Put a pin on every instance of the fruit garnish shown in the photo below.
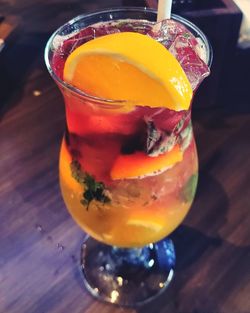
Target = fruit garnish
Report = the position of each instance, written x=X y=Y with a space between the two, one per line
x=131 y=67
x=139 y=164
x=145 y=224
x=93 y=190
x=150 y=225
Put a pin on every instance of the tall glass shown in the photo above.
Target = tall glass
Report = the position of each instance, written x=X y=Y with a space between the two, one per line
x=127 y=214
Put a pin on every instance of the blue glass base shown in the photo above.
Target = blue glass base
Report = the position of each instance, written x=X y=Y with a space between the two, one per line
x=127 y=277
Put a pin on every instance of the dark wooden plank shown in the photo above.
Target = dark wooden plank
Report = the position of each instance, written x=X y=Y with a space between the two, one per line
x=39 y=242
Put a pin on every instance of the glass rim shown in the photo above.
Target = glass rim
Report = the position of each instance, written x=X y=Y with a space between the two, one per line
x=80 y=93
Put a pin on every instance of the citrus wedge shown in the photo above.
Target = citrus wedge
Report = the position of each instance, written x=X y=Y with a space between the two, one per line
x=154 y=226
x=131 y=67
x=140 y=164
x=143 y=225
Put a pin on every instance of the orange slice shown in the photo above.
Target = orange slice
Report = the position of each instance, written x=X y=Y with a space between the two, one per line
x=140 y=164
x=132 y=67
x=150 y=225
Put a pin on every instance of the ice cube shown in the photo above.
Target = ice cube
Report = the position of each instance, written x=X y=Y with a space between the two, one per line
x=142 y=26
x=101 y=29
x=166 y=31
x=187 y=49
x=70 y=43
x=201 y=50
x=184 y=48
x=166 y=119
x=66 y=44
x=160 y=137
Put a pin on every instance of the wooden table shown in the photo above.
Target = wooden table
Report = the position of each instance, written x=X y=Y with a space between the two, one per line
x=39 y=242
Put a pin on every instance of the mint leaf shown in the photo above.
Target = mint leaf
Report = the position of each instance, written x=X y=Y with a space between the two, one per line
x=76 y=172
x=93 y=190
x=186 y=35
x=188 y=191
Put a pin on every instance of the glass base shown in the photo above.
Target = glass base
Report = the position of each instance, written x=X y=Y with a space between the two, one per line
x=127 y=277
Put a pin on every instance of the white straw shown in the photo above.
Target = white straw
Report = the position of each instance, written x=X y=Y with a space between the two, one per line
x=164 y=9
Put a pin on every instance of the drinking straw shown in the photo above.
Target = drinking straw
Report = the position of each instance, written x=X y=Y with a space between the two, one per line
x=164 y=9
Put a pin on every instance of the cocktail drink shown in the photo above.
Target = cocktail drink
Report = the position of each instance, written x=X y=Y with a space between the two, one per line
x=128 y=162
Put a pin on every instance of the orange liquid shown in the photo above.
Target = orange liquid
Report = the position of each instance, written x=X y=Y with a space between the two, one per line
x=141 y=211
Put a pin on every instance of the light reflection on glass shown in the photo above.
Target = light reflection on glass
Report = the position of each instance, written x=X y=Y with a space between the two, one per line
x=114 y=295
x=171 y=274
x=120 y=280
x=151 y=263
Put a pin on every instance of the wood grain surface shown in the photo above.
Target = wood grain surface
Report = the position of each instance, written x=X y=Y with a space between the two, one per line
x=40 y=243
